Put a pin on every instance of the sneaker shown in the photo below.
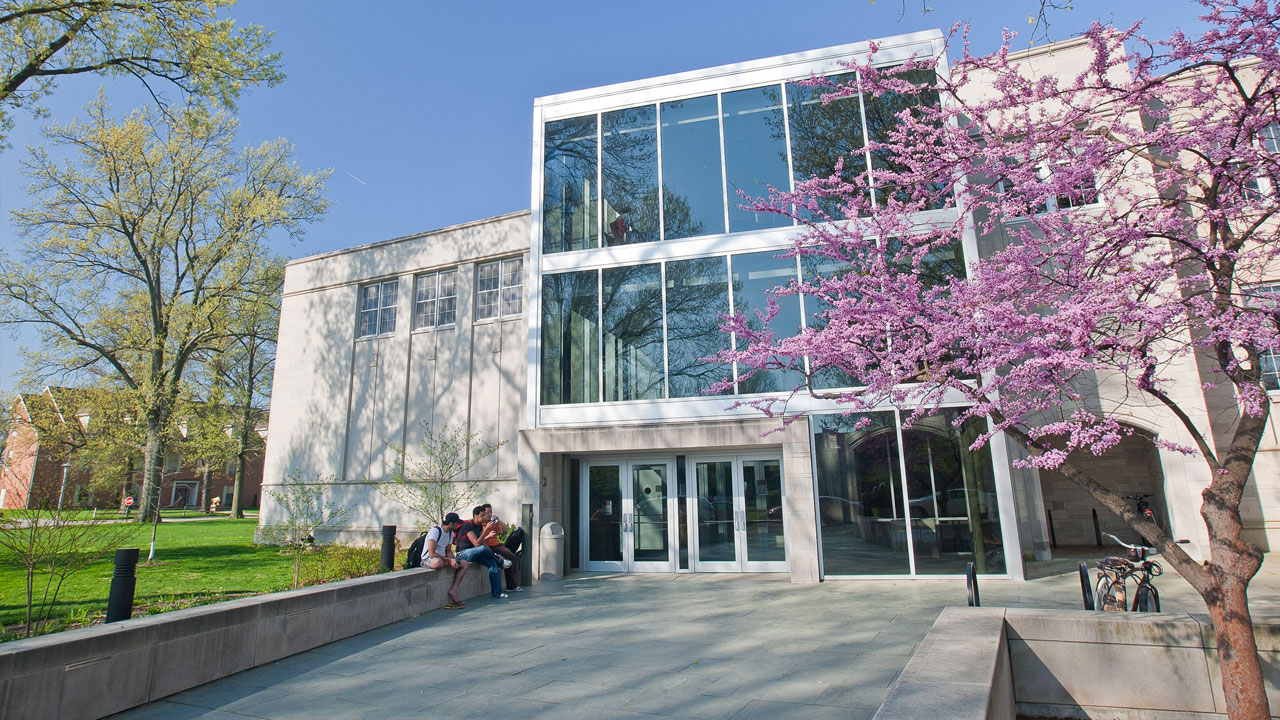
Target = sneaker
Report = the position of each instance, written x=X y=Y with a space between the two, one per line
x=517 y=589
x=505 y=563
x=502 y=596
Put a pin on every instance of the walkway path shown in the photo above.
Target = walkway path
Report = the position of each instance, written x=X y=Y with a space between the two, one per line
x=618 y=646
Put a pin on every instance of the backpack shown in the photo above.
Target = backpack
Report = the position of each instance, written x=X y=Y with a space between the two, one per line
x=414 y=558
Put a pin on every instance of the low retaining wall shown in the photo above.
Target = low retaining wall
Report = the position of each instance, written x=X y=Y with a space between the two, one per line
x=997 y=663
x=96 y=671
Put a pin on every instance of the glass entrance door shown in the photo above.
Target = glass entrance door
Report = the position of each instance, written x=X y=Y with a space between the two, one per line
x=627 y=523
x=737 y=515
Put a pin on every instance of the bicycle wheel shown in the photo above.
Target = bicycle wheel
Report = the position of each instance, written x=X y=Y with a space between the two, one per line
x=1086 y=587
x=1148 y=598
x=1102 y=597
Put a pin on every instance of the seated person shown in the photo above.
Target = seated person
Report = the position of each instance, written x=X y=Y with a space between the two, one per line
x=439 y=554
x=507 y=549
x=472 y=539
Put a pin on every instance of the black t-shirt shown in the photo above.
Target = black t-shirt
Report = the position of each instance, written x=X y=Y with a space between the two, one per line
x=463 y=541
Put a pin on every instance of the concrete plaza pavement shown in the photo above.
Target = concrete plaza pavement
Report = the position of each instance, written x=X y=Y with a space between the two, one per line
x=634 y=646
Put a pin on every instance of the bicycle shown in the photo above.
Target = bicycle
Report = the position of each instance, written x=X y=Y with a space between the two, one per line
x=1114 y=573
x=1143 y=507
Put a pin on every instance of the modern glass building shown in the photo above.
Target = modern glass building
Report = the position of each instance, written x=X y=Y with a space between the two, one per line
x=640 y=245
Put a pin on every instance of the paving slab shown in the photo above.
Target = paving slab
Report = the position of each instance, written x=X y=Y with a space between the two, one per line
x=713 y=647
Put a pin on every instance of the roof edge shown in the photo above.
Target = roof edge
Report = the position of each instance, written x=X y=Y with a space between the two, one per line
x=406 y=238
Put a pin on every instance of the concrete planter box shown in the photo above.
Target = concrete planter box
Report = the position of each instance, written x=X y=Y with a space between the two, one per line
x=96 y=671
x=998 y=664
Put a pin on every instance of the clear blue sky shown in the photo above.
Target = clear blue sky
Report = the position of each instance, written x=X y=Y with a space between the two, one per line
x=424 y=109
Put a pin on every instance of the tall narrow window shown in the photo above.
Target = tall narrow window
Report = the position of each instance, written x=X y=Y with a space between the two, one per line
x=1269 y=294
x=754 y=277
x=823 y=134
x=570 y=338
x=448 y=314
x=629 y=172
x=882 y=117
x=697 y=297
x=755 y=154
x=569 y=194
x=512 y=286
x=631 y=298
x=692 y=181
x=377 y=309
x=487 y=289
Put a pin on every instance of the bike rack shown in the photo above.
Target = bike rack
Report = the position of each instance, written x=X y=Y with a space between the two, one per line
x=1086 y=587
x=971 y=581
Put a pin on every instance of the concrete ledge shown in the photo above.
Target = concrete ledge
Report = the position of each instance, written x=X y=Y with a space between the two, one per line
x=960 y=670
x=97 y=671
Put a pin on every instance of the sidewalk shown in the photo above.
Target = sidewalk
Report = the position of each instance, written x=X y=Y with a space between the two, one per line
x=636 y=646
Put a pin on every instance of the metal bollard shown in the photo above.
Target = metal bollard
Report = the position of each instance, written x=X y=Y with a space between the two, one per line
x=388 y=547
x=1097 y=531
x=123 y=581
x=971 y=580
x=526 y=554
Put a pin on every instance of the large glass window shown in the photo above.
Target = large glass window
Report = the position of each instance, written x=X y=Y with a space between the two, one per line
x=826 y=376
x=754 y=276
x=569 y=198
x=632 y=305
x=692 y=181
x=951 y=494
x=377 y=308
x=1269 y=359
x=883 y=116
x=697 y=298
x=629 y=170
x=860 y=503
x=755 y=153
x=822 y=134
x=570 y=338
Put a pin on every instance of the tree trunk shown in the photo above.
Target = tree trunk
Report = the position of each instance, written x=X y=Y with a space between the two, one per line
x=152 y=467
x=242 y=445
x=204 y=487
x=1242 y=682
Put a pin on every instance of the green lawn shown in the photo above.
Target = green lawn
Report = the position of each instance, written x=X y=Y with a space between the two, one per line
x=86 y=514
x=196 y=562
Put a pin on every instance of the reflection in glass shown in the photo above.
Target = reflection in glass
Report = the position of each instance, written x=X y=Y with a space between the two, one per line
x=632 y=304
x=650 y=500
x=815 y=308
x=692 y=182
x=882 y=118
x=762 y=489
x=569 y=199
x=604 y=526
x=822 y=134
x=754 y=275
x=935 y=269
x=682 y=512
x=755 y=154
x=629 y=174
x=952 y=493
x=697 y=298
x=570 y=341
x=860 y=495
x=716 y=540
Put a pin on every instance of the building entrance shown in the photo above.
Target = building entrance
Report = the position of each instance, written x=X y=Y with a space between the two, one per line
x=731 y=519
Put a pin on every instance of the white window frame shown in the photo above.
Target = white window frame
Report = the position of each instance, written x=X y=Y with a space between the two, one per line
x=382 y=310
x=435 y=298
x=504 y=298
x=1271 y=288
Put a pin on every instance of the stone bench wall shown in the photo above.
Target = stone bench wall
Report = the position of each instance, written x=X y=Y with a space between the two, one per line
x=997 y=664
x=96 y=671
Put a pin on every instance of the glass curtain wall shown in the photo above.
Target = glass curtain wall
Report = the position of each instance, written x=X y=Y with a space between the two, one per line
x=570 y=338
x=697 y=297
x=754 y=275
x=676 y=169
x=948 y=499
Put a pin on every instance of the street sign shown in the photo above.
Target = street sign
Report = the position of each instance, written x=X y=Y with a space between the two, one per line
x=128 y=501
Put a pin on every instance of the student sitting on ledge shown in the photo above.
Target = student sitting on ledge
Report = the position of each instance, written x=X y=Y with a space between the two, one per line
x=472 y=540
x=508 y=549
x=440 y=555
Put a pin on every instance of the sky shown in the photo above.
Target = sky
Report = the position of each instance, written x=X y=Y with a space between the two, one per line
x=424 y=109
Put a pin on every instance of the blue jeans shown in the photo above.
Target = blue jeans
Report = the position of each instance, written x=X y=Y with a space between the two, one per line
x=485 y=556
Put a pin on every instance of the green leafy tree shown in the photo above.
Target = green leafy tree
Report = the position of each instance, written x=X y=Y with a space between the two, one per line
x=180 y=44
x=436 y=479
x=143 y=245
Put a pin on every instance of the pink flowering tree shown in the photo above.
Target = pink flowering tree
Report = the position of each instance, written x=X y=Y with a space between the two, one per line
x=1146 y=192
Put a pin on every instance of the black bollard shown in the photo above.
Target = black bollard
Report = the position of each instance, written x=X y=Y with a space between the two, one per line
x=971 y=580
x=1097 y=531
x=526 y=553
x=123 y=582
x=388 y=547
x=1053 y=536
